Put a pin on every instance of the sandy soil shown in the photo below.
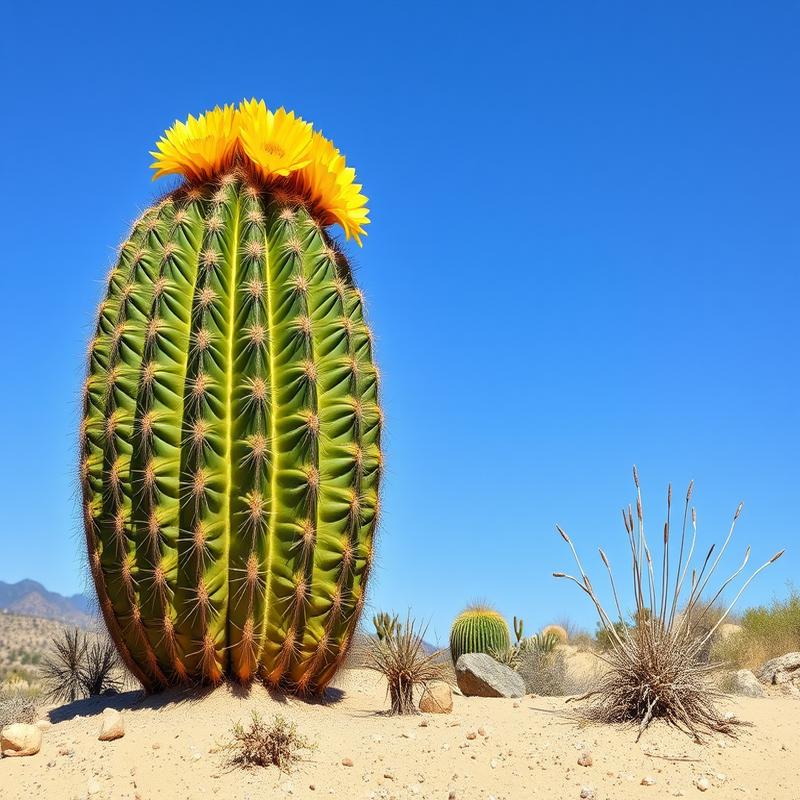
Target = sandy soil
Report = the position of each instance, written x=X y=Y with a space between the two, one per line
x=523 y=749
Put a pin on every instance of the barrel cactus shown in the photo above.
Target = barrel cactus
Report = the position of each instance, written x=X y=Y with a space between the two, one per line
x=230 y=441
x=478 y=629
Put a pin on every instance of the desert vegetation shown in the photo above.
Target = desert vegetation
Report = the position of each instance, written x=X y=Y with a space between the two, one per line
x=80 y=666
x=262 y=744
x=658 y=668
x=761 y=633
x=401 y=658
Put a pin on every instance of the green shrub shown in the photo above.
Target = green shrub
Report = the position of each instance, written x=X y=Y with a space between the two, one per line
x=766 y=632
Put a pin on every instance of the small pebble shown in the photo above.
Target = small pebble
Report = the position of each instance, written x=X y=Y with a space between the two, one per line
x=587 y=793
x=703 y=784
x=472 y=735
x=648 y=780
x=585 y=760
x=347 y=762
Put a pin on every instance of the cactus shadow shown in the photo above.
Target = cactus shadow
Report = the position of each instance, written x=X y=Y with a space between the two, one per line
x=138 y=699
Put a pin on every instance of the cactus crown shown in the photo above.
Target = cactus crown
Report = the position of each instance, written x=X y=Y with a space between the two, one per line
x=279 y=148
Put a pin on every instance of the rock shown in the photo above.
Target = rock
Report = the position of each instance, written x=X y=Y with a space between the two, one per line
x=703 y=784
x=479 y=675
x=585 y=760
x=784 y=669
x=743 y=682
x=112 y=726
x=20 y=739
x=93 y=787
x=436 y=699
x=587 y=793
x=347 y=762
x=43 y=724
x=648 y=780
x=728 y=629
x=472 y=735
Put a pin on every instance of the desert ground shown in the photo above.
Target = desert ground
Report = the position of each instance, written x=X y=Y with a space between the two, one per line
x=486 y=748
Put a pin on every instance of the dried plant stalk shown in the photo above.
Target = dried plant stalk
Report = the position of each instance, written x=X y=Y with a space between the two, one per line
x=657 y=669
x=402 y=659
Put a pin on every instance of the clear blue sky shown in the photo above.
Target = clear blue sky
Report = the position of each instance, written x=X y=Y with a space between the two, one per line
x=584 y=254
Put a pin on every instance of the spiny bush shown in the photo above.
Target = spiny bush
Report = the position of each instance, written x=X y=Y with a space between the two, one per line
x=264 y=744
x=402 y=659
x=657 y=669
x=16 y=707
x=77 y=667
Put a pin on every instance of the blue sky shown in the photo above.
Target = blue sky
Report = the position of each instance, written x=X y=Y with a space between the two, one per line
x=584 y=254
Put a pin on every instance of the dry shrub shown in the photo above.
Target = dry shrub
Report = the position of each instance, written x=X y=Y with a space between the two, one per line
x=264 y=744
x=77 y=667
x=766 y=632
x=16 y=707
x=403 y=660
x=658 y=668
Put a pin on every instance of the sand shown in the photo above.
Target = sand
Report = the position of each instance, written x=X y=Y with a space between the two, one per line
x=522 y=749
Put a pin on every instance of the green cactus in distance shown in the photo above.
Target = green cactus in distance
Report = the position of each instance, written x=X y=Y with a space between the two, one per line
x=518 y=624
x=230 y=442
x=386 y=626
x=478 y=629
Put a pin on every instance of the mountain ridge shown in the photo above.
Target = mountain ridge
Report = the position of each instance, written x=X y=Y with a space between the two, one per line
x=30 y=598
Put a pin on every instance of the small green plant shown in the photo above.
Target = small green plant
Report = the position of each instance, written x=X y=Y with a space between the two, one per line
x=77 y=667
x=263 y=744
x=405 y=663
x=385 y=625
x=544 y=643
x=764 y=632
x=518 y=628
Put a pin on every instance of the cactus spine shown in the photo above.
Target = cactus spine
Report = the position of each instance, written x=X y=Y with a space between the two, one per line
x=478 y=629
x=230 y=445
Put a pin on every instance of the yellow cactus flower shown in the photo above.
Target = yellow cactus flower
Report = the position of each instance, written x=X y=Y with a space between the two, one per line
x=198 y=148
x=330 y=184
x=278 y=143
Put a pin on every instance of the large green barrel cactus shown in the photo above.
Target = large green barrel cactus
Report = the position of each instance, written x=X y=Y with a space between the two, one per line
x=478 y=629
x=231 y=438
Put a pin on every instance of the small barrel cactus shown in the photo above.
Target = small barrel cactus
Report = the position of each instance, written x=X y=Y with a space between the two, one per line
x=558 y=632
x=478 y=629
x=230 y=442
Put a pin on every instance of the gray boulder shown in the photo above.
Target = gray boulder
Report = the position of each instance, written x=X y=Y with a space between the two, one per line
x=784 y=669
x=479 y=675
x=743 y=682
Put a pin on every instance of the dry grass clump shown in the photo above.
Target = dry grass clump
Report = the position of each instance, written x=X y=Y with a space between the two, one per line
x=403 y=660
x=264 y=744
x=766 y=632
x=658 y=668
x=77 y=667
x=16 y=707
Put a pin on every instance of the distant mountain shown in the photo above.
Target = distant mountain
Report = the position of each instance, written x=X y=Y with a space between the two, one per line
x=32 y=599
